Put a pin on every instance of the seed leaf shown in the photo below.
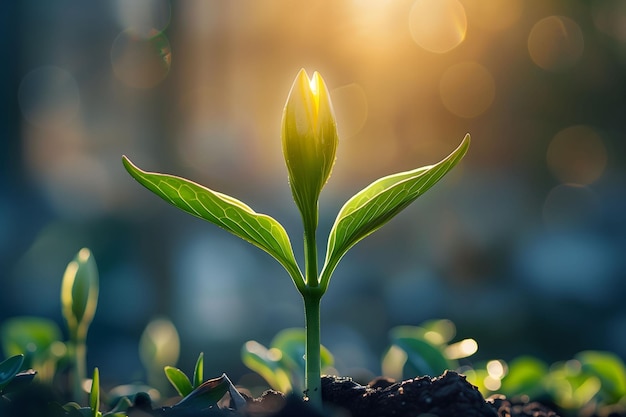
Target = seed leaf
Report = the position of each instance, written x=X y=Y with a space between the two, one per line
x=179 y=380
x=224 y=211
x=378 y=203
x=198 y=371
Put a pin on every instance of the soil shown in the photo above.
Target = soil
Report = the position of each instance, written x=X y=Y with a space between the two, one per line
x=449 y=395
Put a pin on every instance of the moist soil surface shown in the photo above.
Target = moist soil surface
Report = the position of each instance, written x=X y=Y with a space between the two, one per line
x=449 y=395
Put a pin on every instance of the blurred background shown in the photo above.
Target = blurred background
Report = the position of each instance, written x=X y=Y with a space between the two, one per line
x=521 y=245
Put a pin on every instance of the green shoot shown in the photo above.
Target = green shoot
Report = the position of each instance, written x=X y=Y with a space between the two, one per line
x=282 y=365
x=79 y=298
x=309 y=137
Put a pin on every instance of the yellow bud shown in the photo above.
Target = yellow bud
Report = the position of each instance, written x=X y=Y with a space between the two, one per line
x=309 y=135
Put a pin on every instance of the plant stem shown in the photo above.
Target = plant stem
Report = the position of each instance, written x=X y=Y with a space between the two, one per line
x=312 y=373
x=79 y=345
x=310 y=257
x=312 y=295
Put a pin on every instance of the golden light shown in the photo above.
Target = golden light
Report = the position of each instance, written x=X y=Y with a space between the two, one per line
x=438 y=25
x=555 y=43
x=577 y=155
x=351 y=107
x=493 y=15
x=467 y=89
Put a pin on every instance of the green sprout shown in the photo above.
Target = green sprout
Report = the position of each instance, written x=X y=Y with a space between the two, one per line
x=282 y=365
x=309 y=137
x=198 y=393
x=79 y=298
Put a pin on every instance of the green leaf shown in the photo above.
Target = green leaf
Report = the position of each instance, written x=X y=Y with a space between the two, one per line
x=423 y=357
x=32 y=335
x=267 y=364
x=291 y=343
x=94 y=395
x=198 y=371
x=610 y=369
x=378 y=203
x=224 y=211
x=525 y=377
x=9 y=368
x=282 y=365
x=179 y=380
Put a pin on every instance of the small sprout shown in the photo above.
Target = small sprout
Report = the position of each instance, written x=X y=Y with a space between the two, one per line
x=181 y=382
x=282 y=365
x=79 y=299
x=159 y=346
x=425 y=349
x=209 y=393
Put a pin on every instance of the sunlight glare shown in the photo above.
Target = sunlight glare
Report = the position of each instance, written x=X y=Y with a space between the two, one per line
x=438 y=25
x=493 y=15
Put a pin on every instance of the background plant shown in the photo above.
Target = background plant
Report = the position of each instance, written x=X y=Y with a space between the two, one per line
x=309 y=139
x=79 y=299
x=282 y=364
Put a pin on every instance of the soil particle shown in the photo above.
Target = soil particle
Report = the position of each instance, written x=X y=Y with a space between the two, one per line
x=449 y=395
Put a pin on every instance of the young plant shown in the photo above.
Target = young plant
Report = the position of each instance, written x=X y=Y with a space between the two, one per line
x=425 y=350
x=79 y=298
x=198 y=394
x=309 y=138
x=282 y=365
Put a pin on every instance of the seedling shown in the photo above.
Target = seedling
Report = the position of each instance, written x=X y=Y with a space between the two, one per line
x=282 y=364
x=79 y=298
x=425 y=350
x=309 y=138
x=201 y=394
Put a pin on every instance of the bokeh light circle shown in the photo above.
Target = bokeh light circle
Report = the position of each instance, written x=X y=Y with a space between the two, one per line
x=141 y=62
x=493 y=15
x=438 y=25
x=467 y=89
x=577 y=155
x=609 y=16
x=144 y=16
x=555 y=43
x=49 y=97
